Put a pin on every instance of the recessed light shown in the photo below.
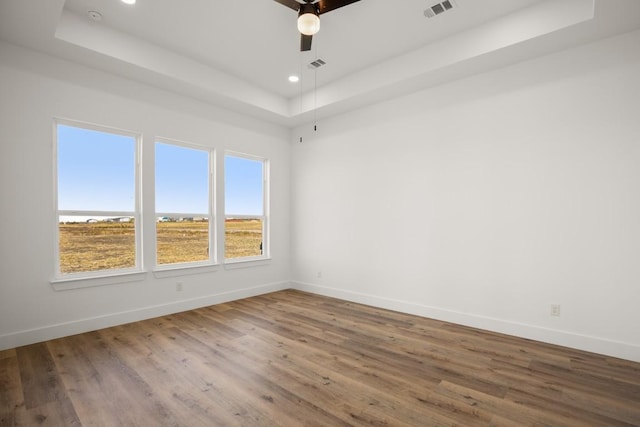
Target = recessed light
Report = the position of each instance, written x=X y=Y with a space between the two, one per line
x=128 y=1
x=294 y=79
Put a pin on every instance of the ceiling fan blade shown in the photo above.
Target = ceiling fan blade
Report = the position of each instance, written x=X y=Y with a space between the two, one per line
x=305 y=42
x=291 y=4
x=325 y=6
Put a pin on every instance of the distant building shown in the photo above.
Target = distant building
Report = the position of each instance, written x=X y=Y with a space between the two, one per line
x=120 y=219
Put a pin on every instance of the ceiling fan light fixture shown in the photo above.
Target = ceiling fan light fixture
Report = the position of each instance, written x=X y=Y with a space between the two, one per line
x=309 y=16
x=308 y=21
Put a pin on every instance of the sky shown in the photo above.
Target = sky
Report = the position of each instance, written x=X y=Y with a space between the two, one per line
x=243 y=186
x=96 y=172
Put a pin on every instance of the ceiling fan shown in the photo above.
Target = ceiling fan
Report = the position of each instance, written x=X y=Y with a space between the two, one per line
x=309 y=16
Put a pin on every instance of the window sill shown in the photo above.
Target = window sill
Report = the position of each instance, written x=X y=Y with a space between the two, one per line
x=65 y=284
x=182 y=270
x=233 y=264
x=70 y=283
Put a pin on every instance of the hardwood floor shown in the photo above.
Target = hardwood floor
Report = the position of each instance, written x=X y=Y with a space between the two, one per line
x=291 y=358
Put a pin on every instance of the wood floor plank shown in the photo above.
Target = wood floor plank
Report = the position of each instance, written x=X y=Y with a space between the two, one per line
x=607 y=406
x=255 y=371
x=54 y=414
x=132 y=399
x=364 y=390
x=190 y=387
x=577 y=414
x=320 y=382
x=39 y=377
x=11 y=396
x=267 y=349
x=7 y=354
x=291 y=358
x=94 y=401
x=506 y=409
x=210 y=376
x=46 y=401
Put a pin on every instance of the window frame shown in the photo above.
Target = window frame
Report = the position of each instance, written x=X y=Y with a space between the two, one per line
x=145 y=238
x=124 y=274
x=265 y=217
x=211 y=205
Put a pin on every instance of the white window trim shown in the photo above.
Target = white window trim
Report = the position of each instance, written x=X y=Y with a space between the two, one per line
x=114 y=278
x=216 y=261
x=63 y=281
x=265 y=258
x=176 y=269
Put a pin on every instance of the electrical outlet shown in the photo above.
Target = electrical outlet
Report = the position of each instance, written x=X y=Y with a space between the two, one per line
x=178 y=286
x=555 y=310
x=319 y=274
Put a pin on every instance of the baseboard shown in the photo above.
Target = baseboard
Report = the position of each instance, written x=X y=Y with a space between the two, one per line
x=581 y=342
x=59 y=330
x=566 y=339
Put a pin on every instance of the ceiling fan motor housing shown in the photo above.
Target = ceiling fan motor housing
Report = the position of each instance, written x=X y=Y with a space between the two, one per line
x=309 y=8
x=309 y=16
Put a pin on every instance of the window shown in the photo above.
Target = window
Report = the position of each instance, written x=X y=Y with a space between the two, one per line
x=98 y=197
x=97 y=200
x=245 y=207
x=183 y=204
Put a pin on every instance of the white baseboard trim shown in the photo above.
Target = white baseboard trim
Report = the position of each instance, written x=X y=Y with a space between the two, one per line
x=59 y=330
x=567 y=339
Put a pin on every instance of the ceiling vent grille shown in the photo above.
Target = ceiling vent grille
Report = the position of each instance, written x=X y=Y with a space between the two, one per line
x=438 y=8
x=317 y=64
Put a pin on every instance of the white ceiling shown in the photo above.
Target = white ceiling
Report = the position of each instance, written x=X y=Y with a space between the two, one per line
x=238 y=54
x=257 y=40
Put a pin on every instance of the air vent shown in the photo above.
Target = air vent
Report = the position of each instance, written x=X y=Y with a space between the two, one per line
x=94 y=15
x=439 y=8
x=316 y=64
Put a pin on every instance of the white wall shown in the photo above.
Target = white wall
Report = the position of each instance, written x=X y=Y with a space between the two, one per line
x=486 y=200
x=480 y=202
x=33 y=90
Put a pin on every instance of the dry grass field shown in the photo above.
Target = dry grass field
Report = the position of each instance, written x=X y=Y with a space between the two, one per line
x=242 y=238
x=104 y=245
x=96 y=246
x=182 y=242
